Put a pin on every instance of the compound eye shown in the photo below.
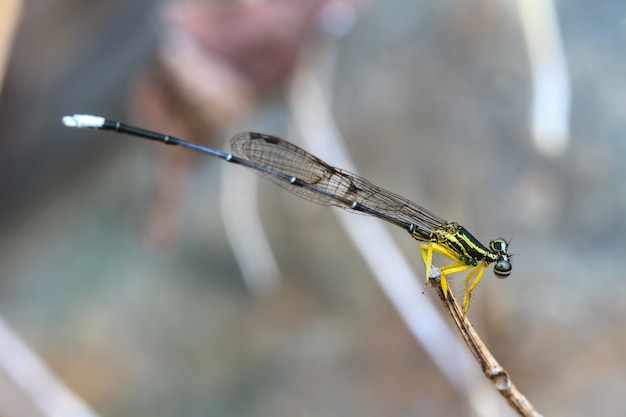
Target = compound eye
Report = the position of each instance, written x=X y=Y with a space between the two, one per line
x=498 y=245
x=502 y=268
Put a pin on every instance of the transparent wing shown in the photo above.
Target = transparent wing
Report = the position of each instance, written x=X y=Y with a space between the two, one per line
x=325 y=184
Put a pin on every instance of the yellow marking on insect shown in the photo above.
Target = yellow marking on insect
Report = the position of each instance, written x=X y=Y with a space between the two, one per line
x=454 y=242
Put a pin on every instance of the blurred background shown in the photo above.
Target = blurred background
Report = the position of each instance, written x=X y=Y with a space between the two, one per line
x=116 y=267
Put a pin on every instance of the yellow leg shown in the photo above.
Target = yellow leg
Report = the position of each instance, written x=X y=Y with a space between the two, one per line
x=427 y=250
x=471 y=282
x=472 y=279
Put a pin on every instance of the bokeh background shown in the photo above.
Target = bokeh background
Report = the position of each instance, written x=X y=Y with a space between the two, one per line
x=114 y=263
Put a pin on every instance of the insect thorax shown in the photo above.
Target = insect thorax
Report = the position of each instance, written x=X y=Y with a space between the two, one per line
x=457 y=239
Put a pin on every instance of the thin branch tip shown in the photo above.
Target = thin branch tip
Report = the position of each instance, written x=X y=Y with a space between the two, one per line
x=498 y=376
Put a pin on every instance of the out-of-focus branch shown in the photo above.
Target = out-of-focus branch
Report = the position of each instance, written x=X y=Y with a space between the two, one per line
x=551 y=83
x=28 y=388
x=10 y=12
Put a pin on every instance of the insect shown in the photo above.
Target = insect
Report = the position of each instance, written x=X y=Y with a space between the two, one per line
x=307 y=176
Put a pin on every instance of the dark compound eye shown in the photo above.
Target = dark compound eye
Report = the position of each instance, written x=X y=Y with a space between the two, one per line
x=503 y=268
x=499 y=245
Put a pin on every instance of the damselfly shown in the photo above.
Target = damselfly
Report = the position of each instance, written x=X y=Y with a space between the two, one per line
x=311 y=178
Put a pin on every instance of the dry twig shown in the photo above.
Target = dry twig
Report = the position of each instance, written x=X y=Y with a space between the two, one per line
x=490 y=367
